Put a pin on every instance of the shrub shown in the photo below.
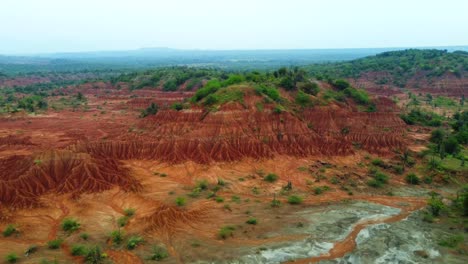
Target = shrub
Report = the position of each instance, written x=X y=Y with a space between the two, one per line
x=236 y=199
x=412 y=179
x=54 y=244
x=275 y=203
x=398 y=169
x=341 y=84
x=84 y=236
x=318 y=190
x=116 y=237
x=303 y=99
x=9 y=230
x=180 y=201
x=158 y=253
x=129 y=212
x=271 y=177
x=219 y=199
x=271 y=92
x=78 y=250
x=152 y=109
x=374 y=183
x=210 y=87
x=294 y=199
x=377 y=162
x=251 y=221
x=134 y=241
x=122 y=221
x=202 y=184
x=226 y=231
x=435 y=205
x=381 y=177
x=70 y=225
x=94 y=255
x=309 y=87
x=11 y=258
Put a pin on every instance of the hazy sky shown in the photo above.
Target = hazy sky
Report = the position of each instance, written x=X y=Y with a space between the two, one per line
x=32 y=26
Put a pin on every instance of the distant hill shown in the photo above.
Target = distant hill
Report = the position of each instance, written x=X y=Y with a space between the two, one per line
x=399 y=68
x=163 y=57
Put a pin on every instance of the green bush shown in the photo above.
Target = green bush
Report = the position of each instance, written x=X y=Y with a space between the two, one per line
x=202 y=184
x=219 y=199
x=412 y=179
x=9 y=230
x=271 y=177
x=152 y=109
x=378 y=162
x=180 y=201
x=94 y=255
x=226 y=231
x=134 y=241
x=340 y=84
x=251 y=221
x=358 y=95
x=122 y=221
x=12 y=258
x=294 y=199
x=84 y=236
x=70 y=225
x=271 y=92
x=158 y=253
x=129 y=212
x=303 y=99
x=309 y=87
x=117 y=237
x=435 y=205
x=78 y=250
x=209 y=88
x=54 y=244
x=275 y=203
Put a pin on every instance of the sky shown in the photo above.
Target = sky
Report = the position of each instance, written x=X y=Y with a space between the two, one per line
x=47 y=26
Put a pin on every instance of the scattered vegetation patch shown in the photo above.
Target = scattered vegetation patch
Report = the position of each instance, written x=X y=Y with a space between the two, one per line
x=251 y=221
x=226 y=231
x=134 y=241
x=271 y=177
x=54 y=244
x=294 y=199
x=70 y=225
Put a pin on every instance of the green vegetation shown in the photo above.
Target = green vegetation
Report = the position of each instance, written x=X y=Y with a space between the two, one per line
x=12 y=258
x=151 y=110
x=78 y=250
x=251 y=221
x=129 y=212
x=117 y=237
x=379 y=179
x=54 y=244
x=158 y=253
x=412 y=179
x=134 y=241
x=423 y=118
x=294 y=199
x=9 y=230
x=271 y=177
x=180 y=201
x=399 y=65
x=94 y=255
x=226 y=231
x=84 y=236
x=70 y=225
